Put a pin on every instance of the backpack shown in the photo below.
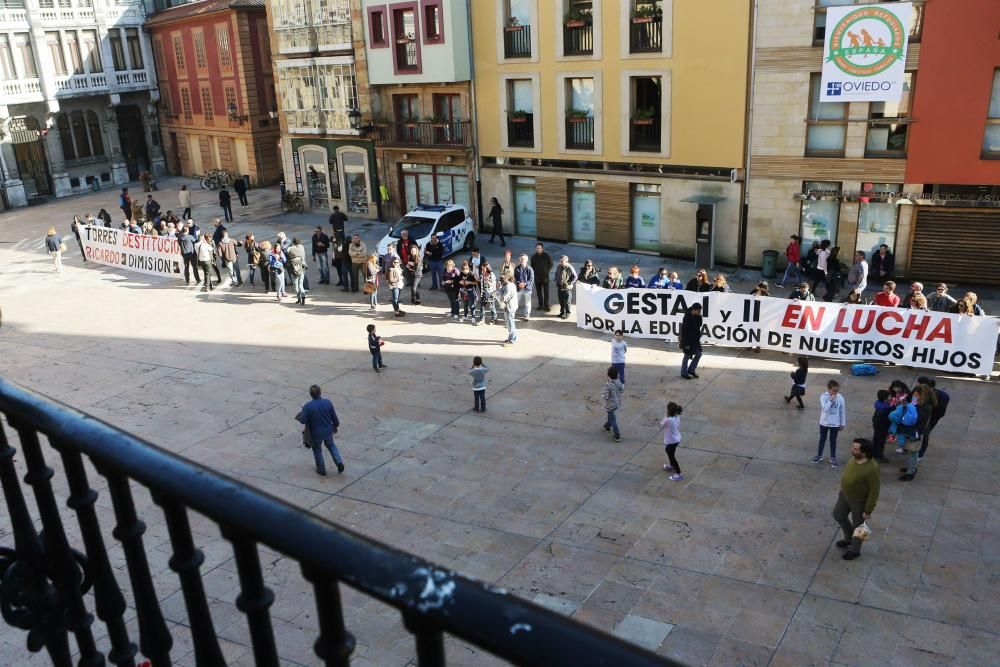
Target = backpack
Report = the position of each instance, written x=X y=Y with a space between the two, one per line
x=910 y=415
x=295 y=265
x=864 y=369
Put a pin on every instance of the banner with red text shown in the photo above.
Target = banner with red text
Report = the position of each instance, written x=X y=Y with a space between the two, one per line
x=154 y=255
x=945 y=342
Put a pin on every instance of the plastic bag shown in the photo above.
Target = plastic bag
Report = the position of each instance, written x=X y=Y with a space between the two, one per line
x=863 y=532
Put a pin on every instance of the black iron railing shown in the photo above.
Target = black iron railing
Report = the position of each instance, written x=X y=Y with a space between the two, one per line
x=645 y=135
x=647 y=36
x=428 y=134
x=406 y=54
x=44 y=578
x=521 y=130
x=578 y=40
x=517 y=41
x=580 y=133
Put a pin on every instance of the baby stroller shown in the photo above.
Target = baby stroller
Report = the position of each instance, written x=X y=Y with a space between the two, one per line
x=148 y=182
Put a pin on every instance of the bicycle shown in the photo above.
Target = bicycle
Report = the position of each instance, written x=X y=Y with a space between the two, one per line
x=216 y=178
x=292 y=201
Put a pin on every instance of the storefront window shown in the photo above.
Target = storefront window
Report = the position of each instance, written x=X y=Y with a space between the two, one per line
x=315 y=164
x=525 y=222
x=820 y=212
x=435 y=184
x=646 y=217
x=877 y=220
x=355 y=181
x=583 y=211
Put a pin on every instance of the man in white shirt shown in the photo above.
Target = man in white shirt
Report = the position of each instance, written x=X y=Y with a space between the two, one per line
x=822 y=273
x=857 y=278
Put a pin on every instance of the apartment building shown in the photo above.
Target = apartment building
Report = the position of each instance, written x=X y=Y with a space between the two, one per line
x=615 y=123
x=78 y=107
x=318 y=50
x=217 y=95
x=419 y=69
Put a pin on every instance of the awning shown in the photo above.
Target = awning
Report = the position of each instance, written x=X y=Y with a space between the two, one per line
x=703 y=199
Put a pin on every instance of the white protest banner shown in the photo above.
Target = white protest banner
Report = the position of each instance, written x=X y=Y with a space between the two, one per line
x=864 y=54
x=154 y=255
x=945 y=342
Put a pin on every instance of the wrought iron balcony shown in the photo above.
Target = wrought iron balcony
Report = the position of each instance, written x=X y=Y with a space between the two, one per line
x=517 y=41
x=580 y=133
x=427 y=134
x=645 y=135
x=406 y=54
x=646 y=35
x=47 y=576
x=578 y=40
x=521 y=130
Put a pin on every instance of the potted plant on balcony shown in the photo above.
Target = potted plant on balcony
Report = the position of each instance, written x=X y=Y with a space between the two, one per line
x=436 y=121
x=405 y=39
x=519 y=116
x=577 y=115
x=644 y=116
x=513 y=24
x=410 y=121
x=578 y=18
x=647 y=13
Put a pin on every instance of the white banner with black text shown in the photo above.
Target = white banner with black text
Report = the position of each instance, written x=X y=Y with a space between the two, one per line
x=153 y=255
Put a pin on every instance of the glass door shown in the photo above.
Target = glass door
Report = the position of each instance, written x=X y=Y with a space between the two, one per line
x=525 y=223
x=583 y=211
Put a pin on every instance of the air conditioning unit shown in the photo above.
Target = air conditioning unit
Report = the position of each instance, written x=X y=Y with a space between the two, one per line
x=737 y=175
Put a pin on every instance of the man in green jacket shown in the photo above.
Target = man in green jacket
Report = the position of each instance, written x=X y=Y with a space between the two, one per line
x=859 y=488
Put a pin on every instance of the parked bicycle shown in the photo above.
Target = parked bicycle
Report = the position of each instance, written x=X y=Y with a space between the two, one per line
x=292 y=201
x=217 y=178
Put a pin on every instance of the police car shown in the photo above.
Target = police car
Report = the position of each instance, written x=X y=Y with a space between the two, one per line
x=451 y=223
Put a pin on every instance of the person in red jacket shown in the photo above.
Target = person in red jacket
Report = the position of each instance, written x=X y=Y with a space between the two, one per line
x=794 y=254
x=887 y=297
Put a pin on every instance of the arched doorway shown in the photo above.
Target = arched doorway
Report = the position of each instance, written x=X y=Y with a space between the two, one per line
x=132 y=133
x=29 y=152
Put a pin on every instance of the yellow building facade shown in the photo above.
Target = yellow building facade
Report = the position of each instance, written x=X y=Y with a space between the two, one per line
x=597 y=118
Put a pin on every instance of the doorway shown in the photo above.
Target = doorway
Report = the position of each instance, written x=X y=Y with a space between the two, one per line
x=29 y=153
x=132 y=134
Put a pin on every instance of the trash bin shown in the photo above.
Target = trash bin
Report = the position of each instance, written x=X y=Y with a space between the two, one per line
x=95 y=183
x=246 y=180
x=769 y=268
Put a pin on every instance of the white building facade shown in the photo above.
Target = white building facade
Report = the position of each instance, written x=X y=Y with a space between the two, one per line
x=79 y=97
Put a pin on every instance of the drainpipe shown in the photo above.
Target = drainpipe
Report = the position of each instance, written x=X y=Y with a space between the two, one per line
x=475 y=115
x=741 y=252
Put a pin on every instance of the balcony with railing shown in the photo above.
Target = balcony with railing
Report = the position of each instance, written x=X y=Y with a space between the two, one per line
x=516 y=40
x=580 y=132
x=138 y=79
x=19 y=91
x=297 y=39
x=425 y=134
x=646 y=34
x=67 y=16
x=316 y=121
x=333 y=36
x=406 y=54
x=68 y=85
x=578 y=37
x=521 y=129
x=644 y=134
x=12 y=16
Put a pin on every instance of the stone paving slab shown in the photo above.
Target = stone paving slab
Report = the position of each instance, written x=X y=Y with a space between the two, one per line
x=733 y=565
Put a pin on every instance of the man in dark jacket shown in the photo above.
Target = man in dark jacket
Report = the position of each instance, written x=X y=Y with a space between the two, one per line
x=186 y=241
x=240 y=186
x=690 y=340
x=321 y=255
x=321 y=423
x=225 y=201
x=338 y=221
x=347 y=274
x=565 y=280
x=541 y=264
x=434 y=252
x=882 y=265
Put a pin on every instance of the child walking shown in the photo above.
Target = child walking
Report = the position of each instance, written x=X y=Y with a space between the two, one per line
x=478 y=373
x=671 y=438
x=612 y=397
x=832 y=419
x=799 y=382
x=375 y=344
x=618 y=349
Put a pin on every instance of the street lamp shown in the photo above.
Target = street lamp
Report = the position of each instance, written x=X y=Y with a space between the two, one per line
x=235 y=116
x=354 y=116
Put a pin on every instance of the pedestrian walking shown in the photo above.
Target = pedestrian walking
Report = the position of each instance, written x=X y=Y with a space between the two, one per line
x=857 y=277
x=321 y=424
x=612 y=399
x=321 y=255
x=184 y=198
x=671 y=424
x=793 y=253
x=205 y=251
x=859 y=490
x=496 y=217
x=541 y=265
x=690 y=341
x=508 y=298
x=55 y=247
x=566 y=278
x=478 y=373
x=297 y=266
x=225 y=201
x=832 y=420
x=240 y=187
x=618 y=350
x=375 y=344
x=230 y=256
x=77 y=228
x=394 y=276
x=524 y=278
x=799 y=376
x=338 y=222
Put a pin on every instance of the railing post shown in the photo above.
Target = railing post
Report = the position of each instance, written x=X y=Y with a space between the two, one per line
x=335 y=644
x=430 y=640
x=255 y=598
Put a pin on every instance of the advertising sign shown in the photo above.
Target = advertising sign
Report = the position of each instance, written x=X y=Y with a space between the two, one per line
x=925 y=339
x=153 y=255
x=864 y=55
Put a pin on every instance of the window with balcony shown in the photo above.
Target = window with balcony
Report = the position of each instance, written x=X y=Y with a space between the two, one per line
x=517 y=29
x=54 y=41
x=26 y=55
x=200 y=57
x=820 y=11
x=520 y=114
x=888 y=124
x=826 y=125
x=186 y=108
x=406 y=55
x=433 y=21
x=580 y=113
x=338 y=93
x=229 y=92
x=75 y=56
x=290 y=14
x=179 y=61
x=447 y=124
x=7 y=68
x=117 y=50
x=92 y=52
x=644 y=134
x=991 y=137
x=646 y=27
x=578 y=28
x=207 y=110
x=406 y=118
x=134 y=48
x=222 y=42
x=378 y=32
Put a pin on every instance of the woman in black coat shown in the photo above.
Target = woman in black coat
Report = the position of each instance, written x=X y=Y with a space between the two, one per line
x=496 y=213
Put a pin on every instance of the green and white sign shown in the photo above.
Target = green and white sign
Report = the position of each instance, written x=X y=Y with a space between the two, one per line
x=864 y=55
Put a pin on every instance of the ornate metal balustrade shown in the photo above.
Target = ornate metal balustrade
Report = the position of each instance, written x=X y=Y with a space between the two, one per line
x=45 y=579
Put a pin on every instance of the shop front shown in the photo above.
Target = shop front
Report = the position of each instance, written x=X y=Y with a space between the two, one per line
x=331 y=172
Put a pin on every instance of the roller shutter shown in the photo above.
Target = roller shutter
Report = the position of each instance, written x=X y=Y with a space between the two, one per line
x=956 y=246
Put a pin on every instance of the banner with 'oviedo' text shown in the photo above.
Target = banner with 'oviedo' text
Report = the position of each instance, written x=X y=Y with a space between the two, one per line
x=153 y=255
x=945 y=342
